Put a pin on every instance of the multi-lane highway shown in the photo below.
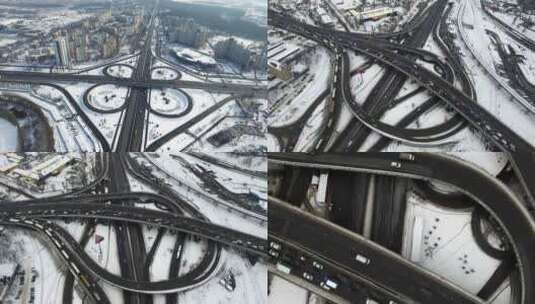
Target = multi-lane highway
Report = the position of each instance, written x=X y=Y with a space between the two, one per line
x=521 y=152
x=145 y=216
x=488 y=192
x=367 y=116
x=117 y=207
x=134 y=121
x=387 y=276
x=387 y=88
x=132 y=134
x=215 y=87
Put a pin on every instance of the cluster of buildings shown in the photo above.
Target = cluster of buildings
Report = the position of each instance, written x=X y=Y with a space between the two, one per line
x=38 y=173
x=283 y=58
x=94 y=38
x=9 y=161
x=253 y=56
x=70 y=47
x=370 y=14
x=319 y=14
x=524 y=15
x=246 y=57
x=188 y=32
x=91 y=39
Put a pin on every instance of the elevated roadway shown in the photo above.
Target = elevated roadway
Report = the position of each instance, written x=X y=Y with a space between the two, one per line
x=521 y=152
x=487 y=191
x=388 y=274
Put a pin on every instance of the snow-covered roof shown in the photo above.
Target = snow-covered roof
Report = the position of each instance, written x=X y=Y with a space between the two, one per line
x=194 y=56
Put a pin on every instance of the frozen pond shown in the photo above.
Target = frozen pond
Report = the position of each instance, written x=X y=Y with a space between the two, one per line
x=8 y=140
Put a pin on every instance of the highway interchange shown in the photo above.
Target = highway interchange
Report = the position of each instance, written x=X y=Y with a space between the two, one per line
x=400 y=59
x=109 y=199
x=350 y=255
x=132 y=133
x=300 y=240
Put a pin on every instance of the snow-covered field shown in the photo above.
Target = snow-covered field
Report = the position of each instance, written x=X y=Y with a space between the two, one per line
x=169 y=101
x=451 y=250
x=164 y=74
x=282 y=291
x=120 y=71
x=107 y=97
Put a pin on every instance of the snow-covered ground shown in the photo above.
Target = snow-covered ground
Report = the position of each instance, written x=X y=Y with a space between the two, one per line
x=312 y=128
x=509 y=110
x=213 y=114
x=294 y=100
x=164 y=74
x=107 y=97
x=169 y=101
x=202 y=101
x=251 y=284
x=282 y=291
x=108 y=124
x=228 y=214
x=36 y=260
x=120 y=71
x=273 y=144
x=445 y=244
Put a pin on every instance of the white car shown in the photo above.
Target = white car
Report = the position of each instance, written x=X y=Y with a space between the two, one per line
x=275 y=245
x=395 y=165
x=362 y=259
x=317 y=265
x=331 y=283
x=284 y=268
x=308 y=276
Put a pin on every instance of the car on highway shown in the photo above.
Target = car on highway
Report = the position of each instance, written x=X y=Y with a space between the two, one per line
x=275 y=245
x=396 y=165
x=362 y=259
x=332 y=283
x=283 y=268
x=274 y=253
x=317 y=265
x=329 y=284
x=406 y=156
x=308 y=276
